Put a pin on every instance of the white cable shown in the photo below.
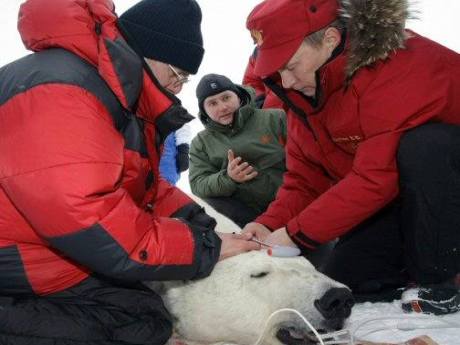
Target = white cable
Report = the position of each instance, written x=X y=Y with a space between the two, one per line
x=283 y=310
x=335 y=335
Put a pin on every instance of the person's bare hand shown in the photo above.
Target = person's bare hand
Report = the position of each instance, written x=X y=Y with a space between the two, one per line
x=280 y=237
x=234 y=244
x=256 y=230
x=238 y=170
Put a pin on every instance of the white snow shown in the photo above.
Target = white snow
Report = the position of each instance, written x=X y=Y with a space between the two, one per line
x=396 y=318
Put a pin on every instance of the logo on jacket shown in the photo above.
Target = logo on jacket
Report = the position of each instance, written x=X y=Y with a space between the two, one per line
x=352 y=140
x=257 y=37
x=266 y=139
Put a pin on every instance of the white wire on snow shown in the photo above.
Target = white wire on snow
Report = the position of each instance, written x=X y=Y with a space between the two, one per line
x=408 y=326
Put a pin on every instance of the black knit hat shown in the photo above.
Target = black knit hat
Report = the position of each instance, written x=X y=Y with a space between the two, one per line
x=212 y=84
x=166 y=30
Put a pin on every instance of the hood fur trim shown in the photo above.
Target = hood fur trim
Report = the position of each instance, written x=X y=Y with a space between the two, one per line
x=375 y=29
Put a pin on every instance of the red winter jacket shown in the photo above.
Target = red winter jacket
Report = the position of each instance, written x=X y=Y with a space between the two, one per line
x=343 y=169
x=270 y=100
x=79 y=185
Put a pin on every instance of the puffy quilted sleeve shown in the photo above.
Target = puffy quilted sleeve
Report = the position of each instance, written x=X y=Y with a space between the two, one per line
x=63 y=164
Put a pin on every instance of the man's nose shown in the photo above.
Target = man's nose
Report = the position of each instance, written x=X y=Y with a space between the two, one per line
x=223 y=108
x=287 y=79
x=175 y=88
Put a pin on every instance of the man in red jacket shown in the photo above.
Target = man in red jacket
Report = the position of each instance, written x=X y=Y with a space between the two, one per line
x=85 y=216
x=373 y=146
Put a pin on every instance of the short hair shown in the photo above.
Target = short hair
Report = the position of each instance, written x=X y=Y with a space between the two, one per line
x=315 y=39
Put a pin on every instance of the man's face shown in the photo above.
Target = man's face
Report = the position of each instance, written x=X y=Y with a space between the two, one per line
x=170 y=77
x=299 y=72
x=220 y=107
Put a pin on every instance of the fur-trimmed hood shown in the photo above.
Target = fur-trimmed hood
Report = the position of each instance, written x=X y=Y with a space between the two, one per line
x=375 y=29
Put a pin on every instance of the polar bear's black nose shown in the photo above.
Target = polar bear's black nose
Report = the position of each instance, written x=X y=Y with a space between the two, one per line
x=335 y=306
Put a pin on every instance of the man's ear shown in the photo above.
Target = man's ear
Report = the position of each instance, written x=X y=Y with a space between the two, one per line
x=332 y=38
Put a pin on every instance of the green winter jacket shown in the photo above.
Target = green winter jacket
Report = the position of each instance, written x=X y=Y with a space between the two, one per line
x=256 y=135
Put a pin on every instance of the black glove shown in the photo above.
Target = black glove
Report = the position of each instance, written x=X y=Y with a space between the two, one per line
x=182 y=159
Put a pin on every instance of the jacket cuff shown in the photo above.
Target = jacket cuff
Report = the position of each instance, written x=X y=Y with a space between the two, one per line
x=207 y=242
x=193 y=213
x=298 y=236
x=207 y=250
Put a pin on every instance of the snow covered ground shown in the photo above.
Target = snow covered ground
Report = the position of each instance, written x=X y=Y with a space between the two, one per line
x=228 y=46
x=394 y=317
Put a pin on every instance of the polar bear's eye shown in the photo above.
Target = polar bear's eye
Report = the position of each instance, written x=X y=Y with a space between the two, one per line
x=259 y=275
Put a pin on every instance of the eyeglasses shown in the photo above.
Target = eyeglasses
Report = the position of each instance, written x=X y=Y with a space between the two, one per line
x=182 y=77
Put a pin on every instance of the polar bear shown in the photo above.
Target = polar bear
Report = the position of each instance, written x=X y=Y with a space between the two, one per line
x=233 y=304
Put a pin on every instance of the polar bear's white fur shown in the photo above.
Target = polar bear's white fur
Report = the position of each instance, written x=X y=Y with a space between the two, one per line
x=233 y=304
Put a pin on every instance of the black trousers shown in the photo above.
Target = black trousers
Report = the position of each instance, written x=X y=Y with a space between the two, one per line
x=234 y=209
x=94 y=312
x=417 y=237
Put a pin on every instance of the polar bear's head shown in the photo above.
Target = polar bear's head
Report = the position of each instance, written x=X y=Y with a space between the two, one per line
x=233 y=304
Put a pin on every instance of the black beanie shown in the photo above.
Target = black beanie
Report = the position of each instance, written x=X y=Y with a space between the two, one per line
x=166 y=30
x=212 y=84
